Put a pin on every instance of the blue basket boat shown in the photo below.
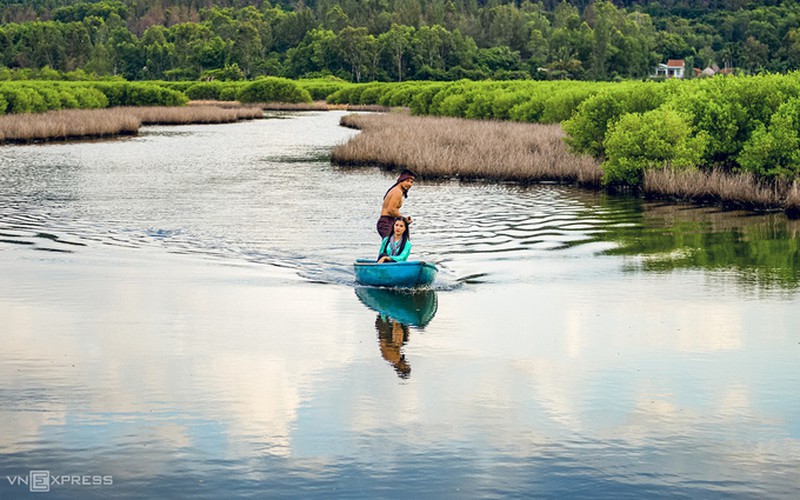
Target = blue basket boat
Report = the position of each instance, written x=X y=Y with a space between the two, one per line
x=410 y=274
x=409 y=307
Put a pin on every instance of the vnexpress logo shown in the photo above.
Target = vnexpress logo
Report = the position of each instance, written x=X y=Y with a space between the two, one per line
x=40 y=481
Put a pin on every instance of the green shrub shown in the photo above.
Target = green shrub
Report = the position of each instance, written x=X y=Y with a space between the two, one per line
x=774 y=151
x=344 y=94
x=204 y=91
x=421 y=102
x=371 y=94
x=90 y=97
x=51 y=99
x=272 y=89
x=321 y=88
x=445 y=91
x=229 y=93
x=713 y=110
x=454 y=105
x=3 y=105
x=504 y=102
x=561 y=105
x=528 y=111
x=652 y=140
x=140 y=94
x=19 y=99
x=400 y=94
x=68 y=100
x=480 y=104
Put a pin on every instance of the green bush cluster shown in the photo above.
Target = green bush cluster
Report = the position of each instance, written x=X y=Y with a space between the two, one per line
x=41 y=96
x=321 y=88
x=205 y=91
x=656 y=139
x=273 y=89
x=140 y=94
x=519 y=100
x=736 y=124
x=773 y=150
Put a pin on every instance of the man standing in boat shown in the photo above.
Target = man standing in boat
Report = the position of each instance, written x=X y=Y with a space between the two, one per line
x=392 y=201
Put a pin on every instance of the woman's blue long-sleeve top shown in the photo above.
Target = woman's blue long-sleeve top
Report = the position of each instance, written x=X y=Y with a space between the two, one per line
x=385 y=250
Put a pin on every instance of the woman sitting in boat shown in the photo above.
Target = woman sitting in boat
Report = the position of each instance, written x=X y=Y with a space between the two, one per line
x=396 y=246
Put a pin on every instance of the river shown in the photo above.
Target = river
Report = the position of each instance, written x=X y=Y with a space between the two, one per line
x=180 y=318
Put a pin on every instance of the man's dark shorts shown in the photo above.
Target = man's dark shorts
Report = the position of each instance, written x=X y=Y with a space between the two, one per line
x=385 y=225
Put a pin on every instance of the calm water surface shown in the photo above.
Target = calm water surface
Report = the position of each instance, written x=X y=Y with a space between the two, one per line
x=179 y=318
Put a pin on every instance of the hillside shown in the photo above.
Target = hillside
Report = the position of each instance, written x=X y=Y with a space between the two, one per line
x=391 y=40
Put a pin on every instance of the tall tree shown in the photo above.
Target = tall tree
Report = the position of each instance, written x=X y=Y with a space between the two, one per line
x=396 y=43
x=354 y=47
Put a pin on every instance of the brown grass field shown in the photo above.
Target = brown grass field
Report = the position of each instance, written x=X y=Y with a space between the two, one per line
x=88 y=123
x=465 y=149
x=505 y=151
x=318 y=106
x=741 y=190
x=67 y=124
x=184 y=115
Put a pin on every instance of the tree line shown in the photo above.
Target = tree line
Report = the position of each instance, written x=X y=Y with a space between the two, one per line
x=396 y=40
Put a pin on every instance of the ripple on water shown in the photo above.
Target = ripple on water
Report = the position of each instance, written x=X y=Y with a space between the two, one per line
x=495 y=223
x=274 y=199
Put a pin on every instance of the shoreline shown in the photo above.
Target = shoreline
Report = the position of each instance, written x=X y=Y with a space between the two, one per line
x=444 y=147
x=83 y=124
x=434 y=147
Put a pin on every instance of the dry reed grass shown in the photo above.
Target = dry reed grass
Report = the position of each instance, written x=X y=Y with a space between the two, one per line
x=183 y=115
x=67 y=124
x=792 y=203
x=736 y=190
x=86 y=123
x=372 y=107
x=319 y=106
x=466 y=149
x=294 y=106
x=219 y=104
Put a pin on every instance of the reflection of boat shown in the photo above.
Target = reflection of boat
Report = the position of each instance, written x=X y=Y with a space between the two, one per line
x=415 y=308
x=409 y=274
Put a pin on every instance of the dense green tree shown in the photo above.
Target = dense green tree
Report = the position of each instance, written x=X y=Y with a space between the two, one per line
x=597 y=39
x=396 y=44
x=355 y=49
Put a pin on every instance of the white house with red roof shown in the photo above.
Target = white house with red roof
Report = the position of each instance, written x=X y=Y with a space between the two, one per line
x=673 y=69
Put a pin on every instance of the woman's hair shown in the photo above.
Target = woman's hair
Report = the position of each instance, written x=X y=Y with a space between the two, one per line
x=406 y=235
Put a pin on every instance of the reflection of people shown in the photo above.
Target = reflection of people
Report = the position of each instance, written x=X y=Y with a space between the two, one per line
x=392 y=335
x=393 y=200
x=395 y=248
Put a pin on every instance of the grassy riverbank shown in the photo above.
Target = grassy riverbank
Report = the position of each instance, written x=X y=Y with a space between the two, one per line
x=466 y=149
x=123 y=120
x=505 y=151
x=67 y=124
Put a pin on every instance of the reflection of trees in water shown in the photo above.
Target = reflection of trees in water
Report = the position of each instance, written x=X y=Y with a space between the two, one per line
x=392 y=336
x=762 y=250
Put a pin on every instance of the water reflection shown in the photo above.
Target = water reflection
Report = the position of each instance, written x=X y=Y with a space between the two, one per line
x=392 y=336
x=397 y=310
x=759 y=250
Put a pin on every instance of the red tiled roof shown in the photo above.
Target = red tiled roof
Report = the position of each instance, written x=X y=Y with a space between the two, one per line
x=675 y=63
